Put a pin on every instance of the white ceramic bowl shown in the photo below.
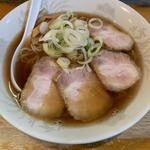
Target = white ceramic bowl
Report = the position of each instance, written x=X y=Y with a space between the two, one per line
x=116 y=11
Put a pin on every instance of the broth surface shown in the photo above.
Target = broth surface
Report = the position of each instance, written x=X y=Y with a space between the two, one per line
x=121 y=99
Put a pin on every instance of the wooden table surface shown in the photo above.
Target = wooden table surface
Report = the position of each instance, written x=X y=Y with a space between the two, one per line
x=136 y=138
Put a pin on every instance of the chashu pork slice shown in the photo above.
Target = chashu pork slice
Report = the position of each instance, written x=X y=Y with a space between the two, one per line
x=84 y=95
x=116 y=70
x=113 y=38
x=40 y=96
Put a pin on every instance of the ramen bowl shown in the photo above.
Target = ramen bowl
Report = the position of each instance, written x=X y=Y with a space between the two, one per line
x=117 y=12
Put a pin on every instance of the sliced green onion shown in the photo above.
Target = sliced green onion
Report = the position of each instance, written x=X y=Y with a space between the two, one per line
x=99 y=39
x=90 y=43
x=48 y=36
x=56 y=42
x=67 y=16
x=70 y=37
x=94 y=50
x=86 y=62
x=50 y=50
x=60 y=24
x=74 y=38
x=63 y=62
x=84 y=53
x=82 y=27
x=95 y=23
x=73 y=55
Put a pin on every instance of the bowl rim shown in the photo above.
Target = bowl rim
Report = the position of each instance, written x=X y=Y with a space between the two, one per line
x=92 y=140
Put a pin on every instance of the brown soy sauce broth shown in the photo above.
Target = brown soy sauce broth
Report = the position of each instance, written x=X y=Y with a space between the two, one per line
x=121 y=99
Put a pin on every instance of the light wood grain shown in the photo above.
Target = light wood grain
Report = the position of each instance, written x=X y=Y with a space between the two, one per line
x=12 y=139
x=5 y=8
x=144 y=11
x=136 y=138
